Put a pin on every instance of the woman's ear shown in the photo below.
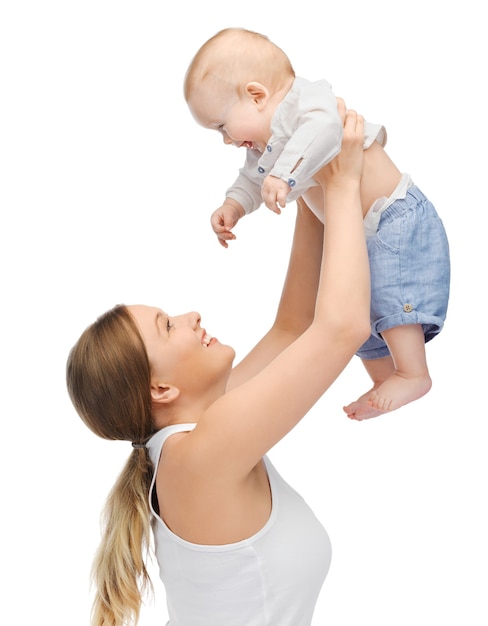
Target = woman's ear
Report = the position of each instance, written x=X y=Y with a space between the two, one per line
x=258 y=93
x=164 y=394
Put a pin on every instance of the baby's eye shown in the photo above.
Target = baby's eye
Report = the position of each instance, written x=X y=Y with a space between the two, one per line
x=169 y=325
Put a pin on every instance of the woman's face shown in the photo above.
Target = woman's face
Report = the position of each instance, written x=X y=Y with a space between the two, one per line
x=180 y=351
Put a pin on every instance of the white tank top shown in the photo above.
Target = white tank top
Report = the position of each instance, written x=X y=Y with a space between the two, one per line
x=270 y=579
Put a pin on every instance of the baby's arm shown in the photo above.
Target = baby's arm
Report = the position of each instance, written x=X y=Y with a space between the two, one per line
x=225 y=218
x=314 y=139
x=315 y=142
x=242 y=197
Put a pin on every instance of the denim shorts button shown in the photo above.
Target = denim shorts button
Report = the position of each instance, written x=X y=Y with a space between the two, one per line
x=292 y=182
x=269 y=148
x=408 y=308
x=261 y=170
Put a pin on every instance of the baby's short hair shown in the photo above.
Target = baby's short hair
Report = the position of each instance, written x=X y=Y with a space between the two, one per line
x=234 y=57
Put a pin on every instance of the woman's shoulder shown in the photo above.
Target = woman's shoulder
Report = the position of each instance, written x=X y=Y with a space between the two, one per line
x=157 y=441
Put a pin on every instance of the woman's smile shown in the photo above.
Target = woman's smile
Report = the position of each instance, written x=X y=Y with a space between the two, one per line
x=207 y=339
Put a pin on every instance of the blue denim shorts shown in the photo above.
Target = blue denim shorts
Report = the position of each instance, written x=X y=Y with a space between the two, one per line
x=410 y=271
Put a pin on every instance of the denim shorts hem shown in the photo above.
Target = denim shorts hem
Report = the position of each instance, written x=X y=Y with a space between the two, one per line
x=376 y=348
x=432 y=324
x=373 y=353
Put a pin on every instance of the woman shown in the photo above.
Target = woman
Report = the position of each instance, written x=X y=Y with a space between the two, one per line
x=235 y=544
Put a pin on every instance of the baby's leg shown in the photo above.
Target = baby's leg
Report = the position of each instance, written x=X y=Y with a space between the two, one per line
x=411 y=379
x=397 y=380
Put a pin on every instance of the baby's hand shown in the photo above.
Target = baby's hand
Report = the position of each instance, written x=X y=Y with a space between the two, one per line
x=274 y=192
x=224 y=219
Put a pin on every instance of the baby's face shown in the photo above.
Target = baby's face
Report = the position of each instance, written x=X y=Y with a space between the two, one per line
x=243 y=121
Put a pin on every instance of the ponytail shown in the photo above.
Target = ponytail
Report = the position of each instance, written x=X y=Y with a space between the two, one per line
x=119 y=569
x=109 y=379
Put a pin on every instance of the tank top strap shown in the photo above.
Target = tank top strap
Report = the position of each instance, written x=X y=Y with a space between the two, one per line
x=155 y=444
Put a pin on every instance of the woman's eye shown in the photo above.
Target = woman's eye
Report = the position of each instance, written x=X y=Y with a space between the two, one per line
x=169 y=325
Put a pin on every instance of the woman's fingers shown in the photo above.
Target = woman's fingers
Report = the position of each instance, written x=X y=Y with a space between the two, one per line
x=353 y=127
x=341 y=107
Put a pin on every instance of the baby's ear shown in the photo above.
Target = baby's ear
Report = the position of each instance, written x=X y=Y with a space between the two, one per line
x=257 y=92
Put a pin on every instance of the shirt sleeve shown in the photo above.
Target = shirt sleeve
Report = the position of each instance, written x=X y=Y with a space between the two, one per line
x=315 y=133
x=246 y=189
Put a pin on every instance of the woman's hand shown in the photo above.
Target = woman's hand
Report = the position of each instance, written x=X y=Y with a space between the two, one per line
x=348 y=164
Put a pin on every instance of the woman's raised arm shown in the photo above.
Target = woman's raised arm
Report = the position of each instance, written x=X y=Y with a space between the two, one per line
x=247 y=421
x=298 y=298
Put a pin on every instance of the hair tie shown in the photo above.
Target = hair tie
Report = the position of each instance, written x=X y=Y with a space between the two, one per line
x=138 y=445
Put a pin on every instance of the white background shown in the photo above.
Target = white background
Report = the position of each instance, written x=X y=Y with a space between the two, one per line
x=107 y=185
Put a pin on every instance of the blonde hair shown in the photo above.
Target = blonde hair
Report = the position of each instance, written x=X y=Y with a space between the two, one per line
x=108 y=380
x=234 y=57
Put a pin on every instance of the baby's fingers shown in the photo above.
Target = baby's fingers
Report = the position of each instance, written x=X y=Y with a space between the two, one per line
x=224 y=237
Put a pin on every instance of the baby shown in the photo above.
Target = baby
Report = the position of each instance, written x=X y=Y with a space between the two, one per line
x=244 y=86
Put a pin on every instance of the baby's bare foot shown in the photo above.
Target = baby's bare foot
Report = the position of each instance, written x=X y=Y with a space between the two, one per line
x=360 y=409
x=394 y=392
x=398 y=390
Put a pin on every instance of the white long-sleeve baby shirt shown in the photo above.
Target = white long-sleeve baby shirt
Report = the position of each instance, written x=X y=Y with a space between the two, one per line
x=306 y=133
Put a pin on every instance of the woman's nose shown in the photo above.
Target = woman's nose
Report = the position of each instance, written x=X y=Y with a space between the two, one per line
x=194 y=318
x=191 y=319
x=227 y=140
